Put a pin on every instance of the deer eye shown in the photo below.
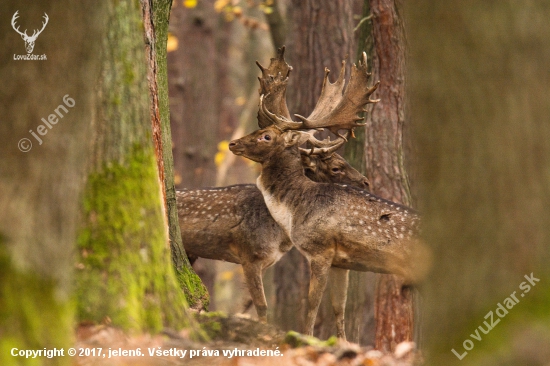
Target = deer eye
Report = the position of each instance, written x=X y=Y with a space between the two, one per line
x=335 y=170
x=267 y=137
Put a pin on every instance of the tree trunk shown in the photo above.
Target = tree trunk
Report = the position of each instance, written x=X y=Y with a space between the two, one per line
x=39 y=189
x=360 y=323
x=480 y=104
x=156 y=14
x=194 y=95
x=386 y=142
x=195 y=104
x=123 y=251
x=320 y=35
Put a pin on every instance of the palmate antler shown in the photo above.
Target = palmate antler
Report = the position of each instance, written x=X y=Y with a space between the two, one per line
x=336 y=109
x=273 y=84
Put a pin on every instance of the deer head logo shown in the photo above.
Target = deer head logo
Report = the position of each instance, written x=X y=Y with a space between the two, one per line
x=29 y=40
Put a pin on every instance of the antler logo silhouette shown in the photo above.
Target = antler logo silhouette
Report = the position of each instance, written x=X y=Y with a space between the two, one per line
x=29 y=41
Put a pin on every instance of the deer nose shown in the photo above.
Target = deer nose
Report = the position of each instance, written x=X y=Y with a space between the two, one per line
x=234 y=145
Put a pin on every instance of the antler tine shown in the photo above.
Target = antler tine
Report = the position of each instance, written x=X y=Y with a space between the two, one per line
x=325 y=147
x=342 y=112
x=281 y=122
x=331 y=94
x=273 y=84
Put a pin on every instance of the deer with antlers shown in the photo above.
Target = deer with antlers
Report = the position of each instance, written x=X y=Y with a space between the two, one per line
x=29 y=40
x=233 y=223
x=330 y=224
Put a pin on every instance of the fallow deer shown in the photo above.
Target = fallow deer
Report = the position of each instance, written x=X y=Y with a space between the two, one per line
x=233 y=223
x=330 y=224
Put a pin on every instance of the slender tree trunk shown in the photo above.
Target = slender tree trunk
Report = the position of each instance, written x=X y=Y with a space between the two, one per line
x=360 y=323
x=195 y=104
x=39 y=189
x=480 y=103
x=319 y=36
x=156 y=14
x=123 y=251
x=386 y=142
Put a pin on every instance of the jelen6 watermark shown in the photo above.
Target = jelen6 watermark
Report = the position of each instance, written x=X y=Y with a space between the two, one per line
x=25 y=144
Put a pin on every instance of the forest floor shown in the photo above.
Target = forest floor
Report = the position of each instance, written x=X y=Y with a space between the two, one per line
x=232 y=340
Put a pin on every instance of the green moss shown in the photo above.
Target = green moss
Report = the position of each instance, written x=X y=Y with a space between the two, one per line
x=123 y=253
x=295 y=339
x=196 y=294
x=31 y=315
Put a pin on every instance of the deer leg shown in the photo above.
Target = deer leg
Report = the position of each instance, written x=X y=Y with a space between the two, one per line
x=253 y=277
x=338 y=283
x=317 y=282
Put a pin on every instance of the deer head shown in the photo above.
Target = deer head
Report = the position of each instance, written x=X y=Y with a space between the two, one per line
x=337 y=109
x=29 y=40
x=333 y=169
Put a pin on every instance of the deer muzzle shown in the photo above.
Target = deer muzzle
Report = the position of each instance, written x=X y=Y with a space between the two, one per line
x=236 y=147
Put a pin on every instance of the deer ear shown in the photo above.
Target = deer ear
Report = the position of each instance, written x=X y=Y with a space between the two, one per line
x=292 y=138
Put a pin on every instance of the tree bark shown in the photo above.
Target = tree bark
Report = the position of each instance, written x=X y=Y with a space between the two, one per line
x=319 y=36
x=360 y=322
x=156 y=14
x=123 y=252
x=386 y=142
x=40 y=189
x=195 y=103
x=480 y=105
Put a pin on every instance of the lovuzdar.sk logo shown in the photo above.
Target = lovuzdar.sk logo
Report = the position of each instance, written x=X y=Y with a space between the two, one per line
x=29 y=40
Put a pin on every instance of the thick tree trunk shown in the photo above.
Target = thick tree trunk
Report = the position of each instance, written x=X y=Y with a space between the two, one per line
x=39 y=189
x=123 y=251
x=320 y=35
x=386 y=142
x=480 y=104
x=156 y=14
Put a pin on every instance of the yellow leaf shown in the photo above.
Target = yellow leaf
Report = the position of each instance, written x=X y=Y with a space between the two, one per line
x=220 y=4
x=240 y=100
x=223 y=145
x=190 y=3
x=219 y=158
x=172 y=43
x=226 y=276
x=229 y=17
x=268 y=10
x=177 y=178
x=223 y=148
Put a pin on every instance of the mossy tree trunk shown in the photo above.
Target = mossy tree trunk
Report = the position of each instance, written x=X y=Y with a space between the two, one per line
x=479 y=99
x=124 y=267
x=156 y=14
x=39 y=189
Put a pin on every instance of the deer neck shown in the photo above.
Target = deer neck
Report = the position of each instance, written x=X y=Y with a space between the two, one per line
x=282 y=172
x=282 y=180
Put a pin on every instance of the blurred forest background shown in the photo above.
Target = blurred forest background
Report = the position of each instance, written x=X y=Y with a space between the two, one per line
x=461 y=133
